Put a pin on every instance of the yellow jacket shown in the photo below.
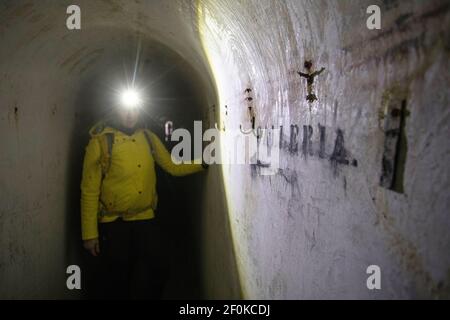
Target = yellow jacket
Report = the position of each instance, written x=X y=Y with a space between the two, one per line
x=130 y=183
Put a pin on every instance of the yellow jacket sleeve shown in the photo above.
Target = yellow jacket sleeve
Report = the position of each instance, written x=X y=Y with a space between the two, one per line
x=164 y=160
x=90 y=190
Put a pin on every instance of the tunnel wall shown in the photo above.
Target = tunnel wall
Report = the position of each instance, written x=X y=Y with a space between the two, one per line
x=311 y=229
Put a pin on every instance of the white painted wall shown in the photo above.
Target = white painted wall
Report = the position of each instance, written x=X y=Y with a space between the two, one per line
x=312 y=230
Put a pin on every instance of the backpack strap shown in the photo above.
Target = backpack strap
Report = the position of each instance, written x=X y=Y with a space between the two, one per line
x=149 y=141
x=106 y=144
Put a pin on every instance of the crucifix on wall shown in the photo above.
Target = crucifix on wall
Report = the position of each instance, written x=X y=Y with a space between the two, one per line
x=311 y=97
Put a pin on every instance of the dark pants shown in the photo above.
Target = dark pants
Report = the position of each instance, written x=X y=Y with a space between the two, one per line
x=134 y=259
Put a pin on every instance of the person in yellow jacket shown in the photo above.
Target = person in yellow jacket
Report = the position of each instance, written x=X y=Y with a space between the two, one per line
x=118 y=203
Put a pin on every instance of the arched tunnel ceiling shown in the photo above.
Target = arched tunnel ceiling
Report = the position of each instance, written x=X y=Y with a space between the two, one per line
x=109 y=28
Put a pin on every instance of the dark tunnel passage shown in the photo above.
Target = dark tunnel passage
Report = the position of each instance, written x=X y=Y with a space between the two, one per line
x=72 y=84
x=354 y=115
x=174 y=95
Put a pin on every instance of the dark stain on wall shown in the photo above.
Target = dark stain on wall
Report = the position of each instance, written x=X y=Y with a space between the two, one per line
x=291 y=178
x=16 y=114
x=390 y=4
x=307 y=141
x=395 y=147
x=340 y=155
x=322 y=137
x=293 y=142
x=406 y=32
x=402 y=19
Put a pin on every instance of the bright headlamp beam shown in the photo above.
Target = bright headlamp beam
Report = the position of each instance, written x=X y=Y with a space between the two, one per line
x=130 y=98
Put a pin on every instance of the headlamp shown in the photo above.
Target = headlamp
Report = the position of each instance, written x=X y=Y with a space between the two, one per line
x=130 y=99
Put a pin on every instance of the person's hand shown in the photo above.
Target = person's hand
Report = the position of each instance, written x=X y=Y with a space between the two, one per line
x=93 y=246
